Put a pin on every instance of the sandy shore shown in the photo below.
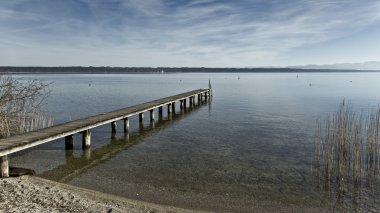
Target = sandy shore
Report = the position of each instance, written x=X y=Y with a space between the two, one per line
x=34 y=194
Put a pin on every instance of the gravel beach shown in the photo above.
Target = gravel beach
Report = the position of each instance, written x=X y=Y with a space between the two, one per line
x=34 y=194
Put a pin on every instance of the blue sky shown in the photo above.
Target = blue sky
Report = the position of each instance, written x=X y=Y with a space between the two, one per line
x=210 y=33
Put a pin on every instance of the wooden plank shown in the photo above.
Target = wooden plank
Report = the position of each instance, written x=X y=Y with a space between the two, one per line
x=30 y=139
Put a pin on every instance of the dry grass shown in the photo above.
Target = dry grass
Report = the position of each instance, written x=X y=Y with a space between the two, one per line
x=347 y=150
x=20 y=106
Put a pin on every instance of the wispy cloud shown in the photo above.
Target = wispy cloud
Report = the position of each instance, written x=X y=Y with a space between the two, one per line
x=185 y=31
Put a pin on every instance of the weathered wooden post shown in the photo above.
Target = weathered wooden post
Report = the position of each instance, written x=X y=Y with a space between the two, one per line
x=69 y=142
x=209 y=87
x=113 y=126
x=151 y=115
x=159 y=114
x=4 y=166
x=199 y=99
x=86 y=139
x=126 y=124
x=141 y=117
x=191 y=101
x=181 y=105
x=173 y=107
x=205 y=96
x=169 y=108
x=184 y=103
x=160 y=110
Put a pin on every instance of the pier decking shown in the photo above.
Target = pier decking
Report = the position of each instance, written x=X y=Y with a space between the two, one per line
x=67 y=130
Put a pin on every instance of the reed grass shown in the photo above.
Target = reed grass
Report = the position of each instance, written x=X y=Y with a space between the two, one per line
x=21 y=106
x=347 y=149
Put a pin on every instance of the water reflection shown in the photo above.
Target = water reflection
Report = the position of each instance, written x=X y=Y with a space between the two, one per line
x=75 y=166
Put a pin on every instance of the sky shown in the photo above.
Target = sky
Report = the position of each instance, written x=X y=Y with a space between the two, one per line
x=188 y=33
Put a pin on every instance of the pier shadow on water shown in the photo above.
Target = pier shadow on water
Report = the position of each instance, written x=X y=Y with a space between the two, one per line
x=76 y=165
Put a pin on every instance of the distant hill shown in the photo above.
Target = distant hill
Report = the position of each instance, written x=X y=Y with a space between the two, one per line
x=163 y=70
x=369 y=65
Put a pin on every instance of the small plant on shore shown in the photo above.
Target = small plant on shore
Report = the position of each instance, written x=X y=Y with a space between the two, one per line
x=21 y=106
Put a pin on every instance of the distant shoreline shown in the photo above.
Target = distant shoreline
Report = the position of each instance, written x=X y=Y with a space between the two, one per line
x=161 y=70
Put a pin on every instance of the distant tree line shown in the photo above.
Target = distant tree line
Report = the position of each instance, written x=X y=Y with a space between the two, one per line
x=100 y=70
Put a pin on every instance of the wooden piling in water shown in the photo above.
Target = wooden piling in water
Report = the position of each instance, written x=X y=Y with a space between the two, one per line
x=181 y=105
x=86 y=139
x=4 y=166
x=141 y=117
x=126 y=124
x=69 y=142
x=151 y=115
x=160 y=110
x=173 y=107
x=169 y=106
x=113 y=127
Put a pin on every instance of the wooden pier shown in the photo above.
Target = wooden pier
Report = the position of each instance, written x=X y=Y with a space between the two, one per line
x=67 y=130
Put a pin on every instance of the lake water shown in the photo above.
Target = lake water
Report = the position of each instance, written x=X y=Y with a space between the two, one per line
x=250 y=147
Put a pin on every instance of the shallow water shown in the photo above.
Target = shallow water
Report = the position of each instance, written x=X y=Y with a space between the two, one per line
x=253 y=142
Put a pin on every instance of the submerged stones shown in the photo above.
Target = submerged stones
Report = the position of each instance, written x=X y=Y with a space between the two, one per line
x=16 y=171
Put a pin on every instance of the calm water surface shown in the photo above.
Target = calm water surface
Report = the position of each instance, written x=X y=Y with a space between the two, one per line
x=252 y=143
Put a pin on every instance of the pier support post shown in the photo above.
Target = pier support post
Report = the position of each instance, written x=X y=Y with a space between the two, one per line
x=160 y=110
x=184 y=103
x=151 y=115
x=169 y=108
x=86 y=139
x=173 y=107
x=126 y=124
x=210 y=88
x=205 y=96
x=191 y=101
x=181 y=105
x=199 y=99
x=141 y=117
x=4 y=173
x=113 y=127
x=69 y=142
